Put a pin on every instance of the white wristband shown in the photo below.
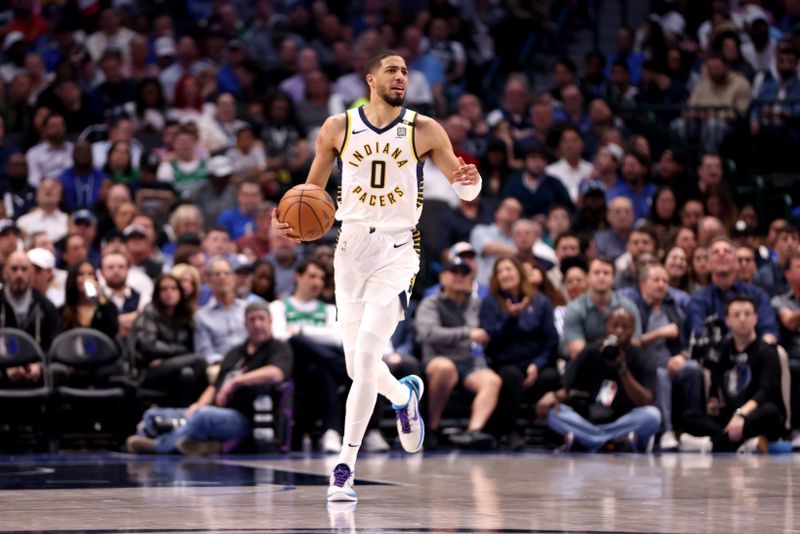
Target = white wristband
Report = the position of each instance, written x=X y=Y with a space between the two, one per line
x=468 y=192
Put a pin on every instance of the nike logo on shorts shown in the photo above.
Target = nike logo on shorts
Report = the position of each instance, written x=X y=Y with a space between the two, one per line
x=356 y=132
x=400 y=245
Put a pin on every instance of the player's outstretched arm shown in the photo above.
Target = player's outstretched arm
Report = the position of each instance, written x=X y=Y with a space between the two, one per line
x=465 y=179
x=329 y=140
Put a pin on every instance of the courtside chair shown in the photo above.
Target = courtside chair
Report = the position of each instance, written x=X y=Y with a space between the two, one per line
x=91 y=408
x=23 y=409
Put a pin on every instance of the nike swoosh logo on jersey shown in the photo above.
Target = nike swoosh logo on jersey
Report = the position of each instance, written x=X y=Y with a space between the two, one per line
x=355 y=132
x=400 y=245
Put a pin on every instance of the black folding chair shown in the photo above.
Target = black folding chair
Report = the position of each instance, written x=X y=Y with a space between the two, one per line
x=94 y=400
x=23 y=407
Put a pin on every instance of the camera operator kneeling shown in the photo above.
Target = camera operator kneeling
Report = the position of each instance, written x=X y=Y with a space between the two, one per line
x=745 y=403
x=608 y=394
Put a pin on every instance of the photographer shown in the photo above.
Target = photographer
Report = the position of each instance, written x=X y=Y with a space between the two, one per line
x=745 y=395
x=608 y=393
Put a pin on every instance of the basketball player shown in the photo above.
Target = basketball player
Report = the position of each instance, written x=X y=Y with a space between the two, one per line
x=381 y=147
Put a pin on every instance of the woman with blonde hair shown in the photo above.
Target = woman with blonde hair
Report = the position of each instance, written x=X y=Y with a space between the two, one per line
x=190 y=281
x=186 y=219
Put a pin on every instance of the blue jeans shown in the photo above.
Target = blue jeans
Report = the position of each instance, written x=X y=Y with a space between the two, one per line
x=644 y=421
x=690 y=378
x=208 y=422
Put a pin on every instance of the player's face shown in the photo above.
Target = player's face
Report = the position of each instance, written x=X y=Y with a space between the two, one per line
x=391 y=80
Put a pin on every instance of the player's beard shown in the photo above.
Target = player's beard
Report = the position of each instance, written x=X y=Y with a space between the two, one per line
x=394 y=101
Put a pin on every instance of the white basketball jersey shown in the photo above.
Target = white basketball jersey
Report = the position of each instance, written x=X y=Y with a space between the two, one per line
x=382 y=179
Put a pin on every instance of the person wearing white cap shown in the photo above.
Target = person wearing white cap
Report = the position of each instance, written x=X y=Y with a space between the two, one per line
x=44 y=279
x=463 y=251
x=15 y=48
x=218 y=193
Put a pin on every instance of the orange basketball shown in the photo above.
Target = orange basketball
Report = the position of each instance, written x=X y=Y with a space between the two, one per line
x=308 y=209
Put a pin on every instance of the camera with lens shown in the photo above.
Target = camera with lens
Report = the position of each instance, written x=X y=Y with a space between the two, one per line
x=609 y=349
x=706 y=347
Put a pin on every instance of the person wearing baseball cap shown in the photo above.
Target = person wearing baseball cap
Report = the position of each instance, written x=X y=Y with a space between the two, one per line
x=44 y=279
x=462 y=252
x=216 y=194
x=448 y=329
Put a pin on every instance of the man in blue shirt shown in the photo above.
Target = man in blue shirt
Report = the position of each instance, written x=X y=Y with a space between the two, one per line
x=635 y=168
x=241 y=220
x=663 y=311
x=536 y=190
x=625 y=52
x=82 y=181
x=770 y=276
x=724 y=286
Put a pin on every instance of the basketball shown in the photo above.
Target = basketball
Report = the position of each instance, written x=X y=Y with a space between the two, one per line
x=308 y=209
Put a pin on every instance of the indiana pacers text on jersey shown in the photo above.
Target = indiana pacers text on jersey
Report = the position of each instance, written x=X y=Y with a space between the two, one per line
x=381 y=173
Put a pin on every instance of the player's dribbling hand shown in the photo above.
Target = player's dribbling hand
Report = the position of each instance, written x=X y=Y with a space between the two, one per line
x=466 y=174
x=283 y=229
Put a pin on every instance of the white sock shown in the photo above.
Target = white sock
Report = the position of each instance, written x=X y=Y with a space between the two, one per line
x=398 y=393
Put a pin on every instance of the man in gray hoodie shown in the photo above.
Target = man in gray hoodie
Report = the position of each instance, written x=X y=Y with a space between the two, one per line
x=447 y=326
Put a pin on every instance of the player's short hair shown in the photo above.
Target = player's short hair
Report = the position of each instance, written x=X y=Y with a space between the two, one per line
x=373 y=64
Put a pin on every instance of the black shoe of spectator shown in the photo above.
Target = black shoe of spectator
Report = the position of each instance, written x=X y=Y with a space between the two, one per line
x=515 y=442
x=137 y=444
x=162 y=425
x=432 y=439
x=623 y=444
x=477 y=440
x=189 y=446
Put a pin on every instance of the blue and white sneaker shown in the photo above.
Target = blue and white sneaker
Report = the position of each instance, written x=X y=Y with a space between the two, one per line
x=410 y=427
x=341 y=486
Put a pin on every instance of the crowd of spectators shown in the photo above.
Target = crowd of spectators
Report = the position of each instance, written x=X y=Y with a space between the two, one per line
x=143 y=148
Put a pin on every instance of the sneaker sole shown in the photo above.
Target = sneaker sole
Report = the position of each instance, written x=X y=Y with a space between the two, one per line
x=198 y=448
x=421 y=392
x=342 y=496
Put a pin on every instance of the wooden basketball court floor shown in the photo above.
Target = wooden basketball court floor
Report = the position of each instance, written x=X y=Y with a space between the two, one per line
x=444 y=493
